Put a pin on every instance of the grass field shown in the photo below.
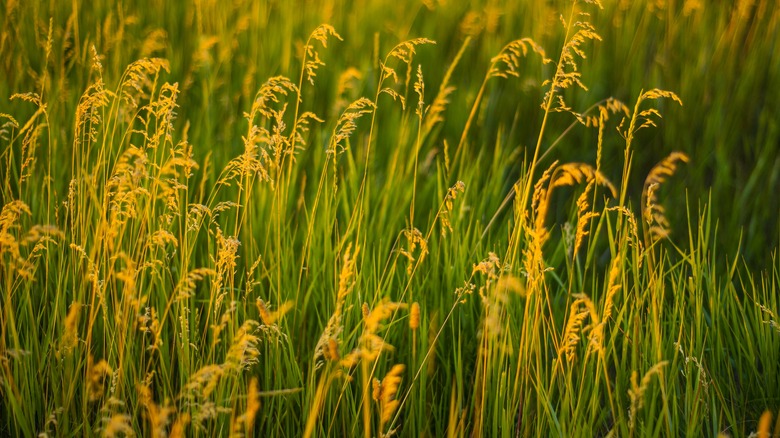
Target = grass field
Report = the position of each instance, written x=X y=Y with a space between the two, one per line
x=389 y=218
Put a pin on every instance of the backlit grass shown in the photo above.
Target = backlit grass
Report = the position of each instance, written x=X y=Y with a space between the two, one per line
x=389 y=218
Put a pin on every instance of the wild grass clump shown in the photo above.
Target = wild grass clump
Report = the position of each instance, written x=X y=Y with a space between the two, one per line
x=189 y=247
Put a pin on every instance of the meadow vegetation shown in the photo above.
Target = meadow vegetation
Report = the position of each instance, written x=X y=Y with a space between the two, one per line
x=383 y=218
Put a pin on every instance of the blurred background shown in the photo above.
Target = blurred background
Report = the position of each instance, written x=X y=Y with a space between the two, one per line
x=721 y=60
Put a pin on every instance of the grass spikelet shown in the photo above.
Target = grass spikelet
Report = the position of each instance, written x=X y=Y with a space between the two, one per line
x=158 y=417
x=332 y=352
x=646 y=118
x=571 y=333
x=252 y=405
x=96 y=375
x=347 y=123
x=313 y=61
x=385 y=392
x=178 y=430
x=414 y=238
x=652 y=212
x=613 y=286
x=567 y=71
x=8 y=127
x=764 y=425
x=444 y=214
x=203 y=382
x=349 y=79
x=12 y=262
x=118 y=425
x=570 y=174
x=246 y=420
x=583 y=218
x=610 y=106
x=435 y=113
x=269 y=317
x=347 y=274
x=414 y=316
x=772 y=319
x=403 y=52
x=372 y=346
x=596 y=326
x=70 y=335
x=507 y=62
x=225 y=265
x=490 y=266
x=539 y=204
x=11 y=213
x=138 y=79
x=327 y=345
x=188 y=283
x=633 y=227
x=637 y=391
x=510 y=283
x=243 y=351
x=381 y=312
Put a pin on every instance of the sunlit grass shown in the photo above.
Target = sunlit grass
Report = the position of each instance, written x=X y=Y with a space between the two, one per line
x=236 y=220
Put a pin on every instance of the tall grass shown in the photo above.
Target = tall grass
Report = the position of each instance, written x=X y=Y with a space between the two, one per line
x=245 y=222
